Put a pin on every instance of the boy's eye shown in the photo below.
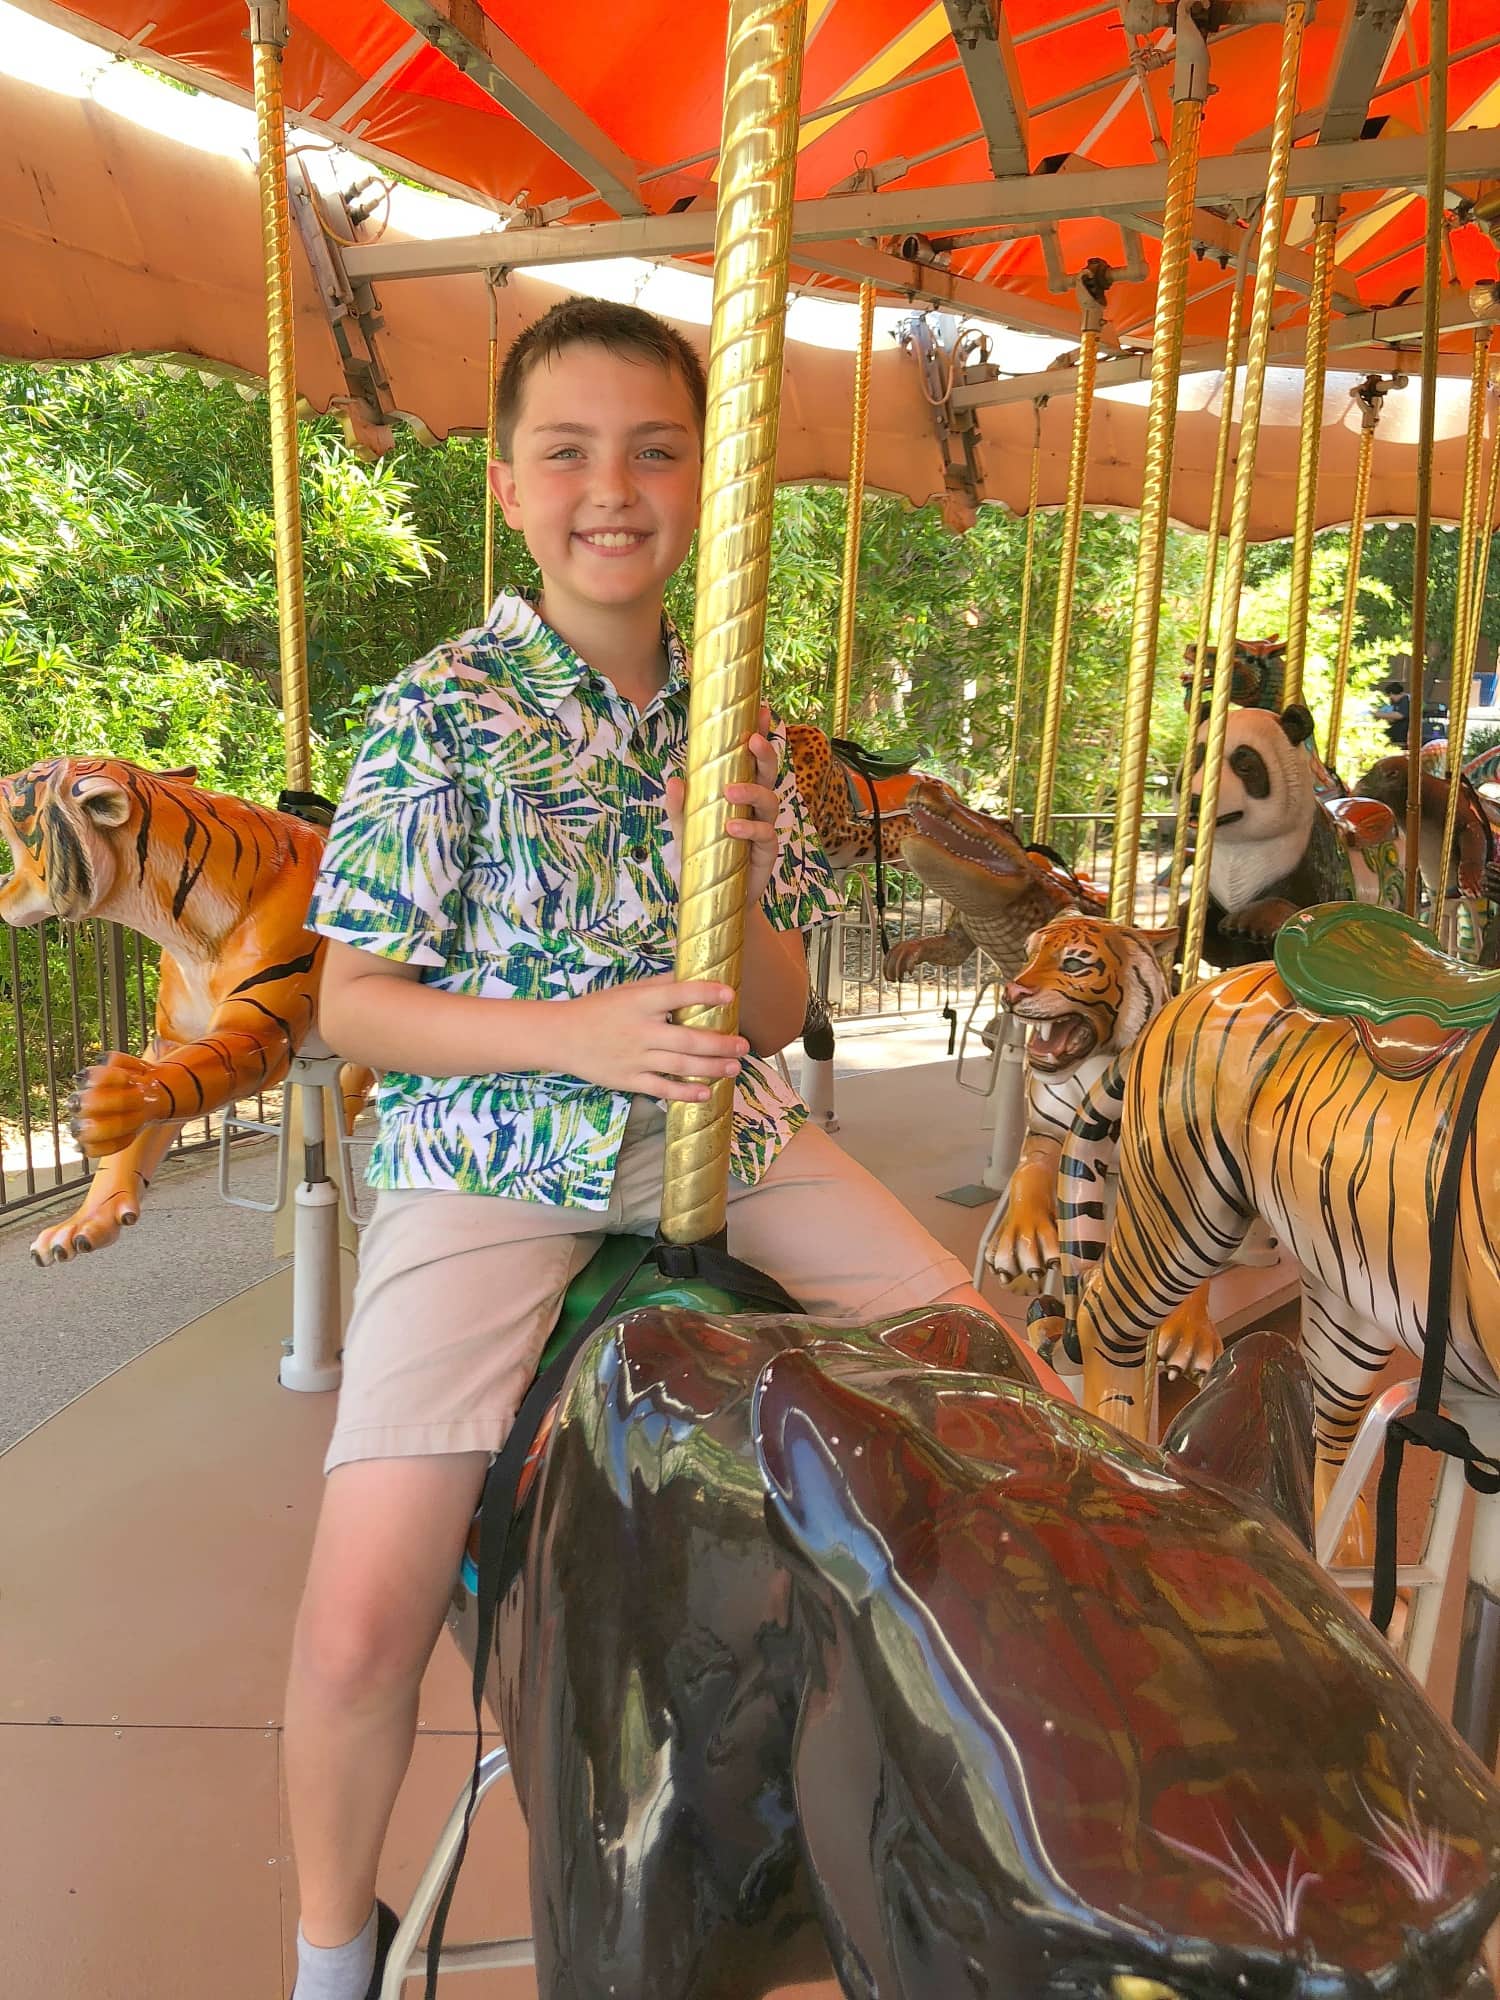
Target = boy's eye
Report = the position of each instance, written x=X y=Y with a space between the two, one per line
x=656 y=451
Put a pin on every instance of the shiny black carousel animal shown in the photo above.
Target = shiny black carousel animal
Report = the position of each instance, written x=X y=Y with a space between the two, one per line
x=854 y=1647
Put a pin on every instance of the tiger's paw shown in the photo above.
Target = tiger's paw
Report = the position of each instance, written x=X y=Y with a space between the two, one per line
x=113 y=1101
x=1188 y=1343
x=90 y=1228
x=1025 y=1244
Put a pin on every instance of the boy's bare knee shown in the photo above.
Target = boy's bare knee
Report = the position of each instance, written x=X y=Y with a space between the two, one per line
x=359 y=1650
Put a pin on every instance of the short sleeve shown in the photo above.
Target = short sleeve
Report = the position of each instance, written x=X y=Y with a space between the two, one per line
x=392 y=869
x=802 y=892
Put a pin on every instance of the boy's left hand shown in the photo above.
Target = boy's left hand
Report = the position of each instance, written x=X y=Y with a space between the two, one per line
x=753 y=811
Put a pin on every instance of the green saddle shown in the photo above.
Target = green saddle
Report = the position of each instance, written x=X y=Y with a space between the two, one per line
x=648 y=1287
x=1357 y=961
x=875 y=764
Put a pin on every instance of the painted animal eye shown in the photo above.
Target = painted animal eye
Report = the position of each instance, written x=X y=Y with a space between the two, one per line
x=1242 y=763
x=1075 y=961
x=1198 y=756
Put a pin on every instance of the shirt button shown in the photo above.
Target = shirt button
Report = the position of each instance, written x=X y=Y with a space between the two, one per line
x=640 y=852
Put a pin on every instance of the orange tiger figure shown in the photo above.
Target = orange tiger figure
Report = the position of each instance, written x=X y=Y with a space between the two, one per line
x=223 y=887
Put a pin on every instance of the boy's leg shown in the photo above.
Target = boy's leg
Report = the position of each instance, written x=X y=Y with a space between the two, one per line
x=456 y=1297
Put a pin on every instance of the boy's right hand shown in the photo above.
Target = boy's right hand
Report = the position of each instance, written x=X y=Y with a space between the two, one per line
x=624 y=1037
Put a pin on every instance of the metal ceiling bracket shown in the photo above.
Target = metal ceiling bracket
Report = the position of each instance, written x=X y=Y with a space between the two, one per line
x=1149 y=17
x=351 y=306
x=940 y=359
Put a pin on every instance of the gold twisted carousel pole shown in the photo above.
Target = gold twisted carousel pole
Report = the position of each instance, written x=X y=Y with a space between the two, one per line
x=1067 y=569
x=268 y=34
x=1293 y=23
x=1370 y=395
x=762 y=80
x=1480 y=576
x=1460 y=675
x=1432 y=279
x=1189 y=94
x=855 y=512
x=492 y=386
x=1314 y=378
x=1210 y=569
x=1024 y=633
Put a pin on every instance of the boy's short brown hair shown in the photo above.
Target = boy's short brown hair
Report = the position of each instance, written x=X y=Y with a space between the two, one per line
x=619 y=329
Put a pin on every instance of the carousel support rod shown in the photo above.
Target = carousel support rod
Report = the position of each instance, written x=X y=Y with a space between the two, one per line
x=1370 y=395
x=1210 y=570
x=1314 y=377
x=1487 y=526
x=1293 y=23
x=1024 y=633
x=1432 y=280
x=1189 y=93
x=1067 y=563
x=492 y=386
x=268 y=34
x=762 y=82
x=1460 y=673
x=854 y=513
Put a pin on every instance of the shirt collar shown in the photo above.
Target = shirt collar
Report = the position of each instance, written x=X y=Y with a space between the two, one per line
x=548 y=664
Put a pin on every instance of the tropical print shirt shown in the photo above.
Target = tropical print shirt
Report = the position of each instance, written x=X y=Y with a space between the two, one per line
x=504 y=829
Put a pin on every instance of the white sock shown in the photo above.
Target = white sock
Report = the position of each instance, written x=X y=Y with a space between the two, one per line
x=336 y=1971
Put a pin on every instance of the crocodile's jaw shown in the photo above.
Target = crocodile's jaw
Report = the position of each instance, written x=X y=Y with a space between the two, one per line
x=963 y=880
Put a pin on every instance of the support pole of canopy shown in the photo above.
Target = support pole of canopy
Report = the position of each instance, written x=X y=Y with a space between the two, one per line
x=492 y=385
x=1189 y=94
x=1460 y=675
x=854 y=513
x=762 y=81
x=1370 y=395
x=1027 y=560
x=1210 y=570
x=1314 y=375
x=268 y=34
x=1432 y=281
x=1293 y=23
x=1481 y=573
x=1067 y=567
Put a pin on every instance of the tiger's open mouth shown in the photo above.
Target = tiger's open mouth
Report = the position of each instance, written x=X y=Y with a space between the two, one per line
x=1058 y=1044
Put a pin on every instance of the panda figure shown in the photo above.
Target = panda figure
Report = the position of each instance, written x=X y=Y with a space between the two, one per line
x=1279 y=846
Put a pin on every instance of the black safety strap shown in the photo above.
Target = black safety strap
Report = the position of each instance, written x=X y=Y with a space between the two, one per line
x=1426 y=1425
x=856 y=761
x=707 y=1263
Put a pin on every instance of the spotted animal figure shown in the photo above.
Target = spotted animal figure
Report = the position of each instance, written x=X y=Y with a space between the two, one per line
x=222 y=886
x=1241 y=1101
x=843 y=803
x=1087 y=990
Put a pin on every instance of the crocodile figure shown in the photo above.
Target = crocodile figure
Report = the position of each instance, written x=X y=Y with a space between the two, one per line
x=999 y=890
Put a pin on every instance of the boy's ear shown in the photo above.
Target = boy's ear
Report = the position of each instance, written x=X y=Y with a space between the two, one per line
x=502 y=478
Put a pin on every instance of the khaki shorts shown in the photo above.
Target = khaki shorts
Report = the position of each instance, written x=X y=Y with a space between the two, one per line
x=458 y=1293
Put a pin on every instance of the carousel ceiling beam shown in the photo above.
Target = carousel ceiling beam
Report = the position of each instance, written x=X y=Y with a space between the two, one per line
x=465 y=34
x=983 y=39
x=1364 y=48
x=900 y=280
x=1370 y=335
x=1360 y=165
x=1217 y=237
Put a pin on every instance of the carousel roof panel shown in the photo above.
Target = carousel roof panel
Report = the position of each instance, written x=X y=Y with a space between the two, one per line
x=613 y=116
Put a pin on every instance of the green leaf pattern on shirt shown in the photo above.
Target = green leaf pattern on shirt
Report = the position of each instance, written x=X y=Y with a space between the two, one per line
x=503 y=829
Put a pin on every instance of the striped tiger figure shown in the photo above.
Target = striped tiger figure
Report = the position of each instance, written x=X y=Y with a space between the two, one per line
x=1239 y=1102
x=223 y=887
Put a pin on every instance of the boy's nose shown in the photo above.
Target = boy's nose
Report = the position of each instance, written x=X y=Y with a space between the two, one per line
x=613 y=483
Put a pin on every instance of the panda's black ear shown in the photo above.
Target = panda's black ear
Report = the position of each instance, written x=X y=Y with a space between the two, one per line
x=1296 y=723
x=1205 y=710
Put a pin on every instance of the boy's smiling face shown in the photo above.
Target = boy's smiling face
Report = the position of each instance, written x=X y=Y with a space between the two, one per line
x=603 y=476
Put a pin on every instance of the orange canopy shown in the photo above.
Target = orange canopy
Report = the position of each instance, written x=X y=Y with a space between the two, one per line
x=535 y=108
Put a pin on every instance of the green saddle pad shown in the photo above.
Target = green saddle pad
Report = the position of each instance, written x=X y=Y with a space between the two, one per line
x=1358 y=961
x=648 y=1287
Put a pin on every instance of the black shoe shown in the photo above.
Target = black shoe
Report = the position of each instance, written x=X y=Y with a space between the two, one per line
x=387 y=1923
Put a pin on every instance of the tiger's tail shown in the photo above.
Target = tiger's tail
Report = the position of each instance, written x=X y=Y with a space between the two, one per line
x=1090 y=1155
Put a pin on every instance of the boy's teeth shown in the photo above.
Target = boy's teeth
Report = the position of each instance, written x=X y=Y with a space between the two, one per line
x=612 y=541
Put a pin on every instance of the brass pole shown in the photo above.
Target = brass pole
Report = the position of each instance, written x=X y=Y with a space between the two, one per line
x=1481 y=571
x=1067 y=572
x=1370 y=410
x=1432 y=280
x=1314 y=377
x=1011 y=802
x=1210 y=571
x=492 y=380
x=1293 y=23
x=1189 y=92
x=855 y=512
x=762 y=82
x=1461 y=673
x=268 y=34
